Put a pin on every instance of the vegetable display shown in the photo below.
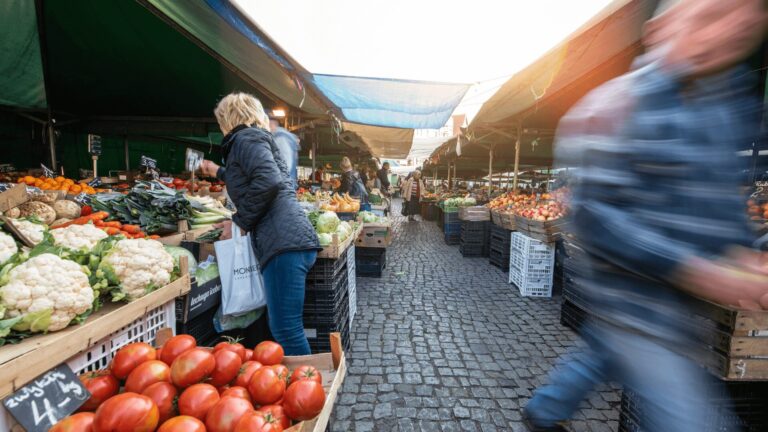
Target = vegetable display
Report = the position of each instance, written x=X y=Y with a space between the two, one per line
x=369 y=217
x=341 y=203
x=134 y=268
x=8 y=248
x=33 y=231
x=154 y=399
x=78 y=237
x=460 y=202
x=327 y=224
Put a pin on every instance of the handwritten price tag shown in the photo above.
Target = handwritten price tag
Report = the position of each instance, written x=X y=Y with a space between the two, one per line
x=47 y=171
x=47 y=399
x=148 y=162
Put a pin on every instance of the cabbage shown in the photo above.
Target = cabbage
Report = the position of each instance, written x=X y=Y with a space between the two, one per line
x=344 y=230
x=325 y=239
x=176 y=252
x=206 y=272
x=369 y=217
x=327 y=223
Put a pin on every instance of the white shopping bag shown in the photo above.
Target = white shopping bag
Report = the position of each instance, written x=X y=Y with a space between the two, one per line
x=242 y=286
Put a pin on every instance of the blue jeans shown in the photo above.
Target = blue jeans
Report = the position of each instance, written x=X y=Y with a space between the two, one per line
x=284 y=281
x=672 y=388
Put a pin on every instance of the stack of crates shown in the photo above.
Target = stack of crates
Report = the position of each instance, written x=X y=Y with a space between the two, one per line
x=475 y=238
x=531 y=265
x=452 y=228
x=352 y=284
x=326 y=303
x=370 y=262
x=499 y=247
x=737 y=405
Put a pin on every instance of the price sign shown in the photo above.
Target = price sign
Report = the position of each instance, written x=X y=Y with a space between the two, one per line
x=34 y=190
x=47 y=171
x=94 y=145
x=47 y=399
x=5 y=186
x=96 y=182
x=7 y=168
x=148 y=162
x=82 y=198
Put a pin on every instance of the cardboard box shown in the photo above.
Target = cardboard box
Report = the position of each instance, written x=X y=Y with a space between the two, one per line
x=13 y=197
x=375 y=236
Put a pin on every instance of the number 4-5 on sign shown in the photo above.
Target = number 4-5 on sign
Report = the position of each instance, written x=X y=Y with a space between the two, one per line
x=48 y=414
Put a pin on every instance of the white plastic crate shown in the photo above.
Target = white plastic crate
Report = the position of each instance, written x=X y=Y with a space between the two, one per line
x=351 y=284
x=531 y=265
x=143 y=329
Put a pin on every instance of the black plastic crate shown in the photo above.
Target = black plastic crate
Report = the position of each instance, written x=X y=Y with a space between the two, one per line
x=326 y=269
x=499 y=260
x=452 y=239
x=371 y=263
x=475 y=226
x=439 y=217
x=319 y=303
x=452 y=217
x=201 y=328
x=471 y=250
x=318 y=334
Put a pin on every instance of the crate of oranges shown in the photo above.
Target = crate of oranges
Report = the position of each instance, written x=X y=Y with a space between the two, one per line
x=59 y=183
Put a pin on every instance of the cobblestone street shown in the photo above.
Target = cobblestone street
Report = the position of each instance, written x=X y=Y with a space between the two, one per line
x=444 y=343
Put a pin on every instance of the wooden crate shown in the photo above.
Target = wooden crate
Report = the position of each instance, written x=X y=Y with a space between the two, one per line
x=507 y=221
x=337 y=248
x=546 y=231
x=32 y=357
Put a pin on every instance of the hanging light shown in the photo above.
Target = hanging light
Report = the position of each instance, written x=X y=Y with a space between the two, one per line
x=278 y=112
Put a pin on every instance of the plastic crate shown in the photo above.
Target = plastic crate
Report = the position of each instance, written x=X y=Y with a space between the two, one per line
x=498 y=260
x=352 y=282
x=318 y=334
x=472 y=250
x=323 y=302
x=201 y=328
x=452 y=239
x=326 y=269
x=530 y=287
x=143 y=329
x=452 y=228
x=451 y=217
x=371 y=262
x=347 y=216
x=531 y=248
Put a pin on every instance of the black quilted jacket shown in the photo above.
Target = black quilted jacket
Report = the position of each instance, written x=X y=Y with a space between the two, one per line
x=260 y=187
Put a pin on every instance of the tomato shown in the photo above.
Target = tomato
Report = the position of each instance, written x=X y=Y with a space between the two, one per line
x=163 y=394
x=266 y=387
x=282 y=371
x=80 y=422
x=176 y=346
x=159 y=353
x=178 y=181
x=86 y=210
x=246 y=372
x=233 y=345
x=304 y=400
x=258 y=422
x=127 y=412
x=197 y=400
x=182 y=424
x=278 y=412
x=268 y=353
x=248 y=355
x=226 y=413
x=306 y=373
x=130 y=356
x=238 y=391
x=192 y=367
x=146 y=374
x=227 y=367
x=101 y=385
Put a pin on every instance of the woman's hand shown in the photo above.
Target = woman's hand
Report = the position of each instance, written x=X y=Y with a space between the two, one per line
x=226 y=229
x=209 y=168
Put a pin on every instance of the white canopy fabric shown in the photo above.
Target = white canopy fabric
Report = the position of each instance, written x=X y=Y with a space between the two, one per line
x=383 y=142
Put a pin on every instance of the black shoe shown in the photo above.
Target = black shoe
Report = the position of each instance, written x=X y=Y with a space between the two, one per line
x=529 y=423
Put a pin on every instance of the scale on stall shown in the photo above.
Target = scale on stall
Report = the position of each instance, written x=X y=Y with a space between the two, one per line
x=94 y=148
x=194 y=159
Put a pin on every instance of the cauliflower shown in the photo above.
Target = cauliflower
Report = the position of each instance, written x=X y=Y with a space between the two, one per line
x=46 y=292
x=7 y=247
x=35 y=232
x=135 y=267
x=78 y=237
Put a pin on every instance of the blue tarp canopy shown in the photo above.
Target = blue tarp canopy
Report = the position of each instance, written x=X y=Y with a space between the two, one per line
x=392 y=103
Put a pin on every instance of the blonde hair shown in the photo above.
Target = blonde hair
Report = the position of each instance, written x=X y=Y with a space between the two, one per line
x=236 y=109
x=346 y=164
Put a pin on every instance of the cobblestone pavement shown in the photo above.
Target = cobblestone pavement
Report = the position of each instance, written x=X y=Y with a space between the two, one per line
x=444 y=343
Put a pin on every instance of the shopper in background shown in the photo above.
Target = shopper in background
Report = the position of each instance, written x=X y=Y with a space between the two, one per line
x=363 y=170
x=657 y=208
x=289 y=147
x=411 y=191
x=383 y=176
x=318 y=175
x=260 y=186
x=351 y=182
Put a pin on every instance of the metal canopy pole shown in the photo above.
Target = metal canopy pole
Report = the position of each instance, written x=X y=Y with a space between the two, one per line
x=449 y=175
x=490 y=170
x=517 y=154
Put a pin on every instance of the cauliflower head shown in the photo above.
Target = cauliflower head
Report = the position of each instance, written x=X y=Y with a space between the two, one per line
x=7 y=247
x=78 y=237
x=35 y=232
x=136 y=267
x=47 y=292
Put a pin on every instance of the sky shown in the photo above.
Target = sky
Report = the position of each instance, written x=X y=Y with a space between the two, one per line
x=447 y=41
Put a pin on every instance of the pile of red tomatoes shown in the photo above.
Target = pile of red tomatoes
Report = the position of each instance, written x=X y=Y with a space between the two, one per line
x=185 y=388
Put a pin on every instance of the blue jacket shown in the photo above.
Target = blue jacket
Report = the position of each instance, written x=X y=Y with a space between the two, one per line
x=288 y=144
x=261 y=189
x=657 y=180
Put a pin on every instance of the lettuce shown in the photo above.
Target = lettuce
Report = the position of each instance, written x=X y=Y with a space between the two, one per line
x=327 y=223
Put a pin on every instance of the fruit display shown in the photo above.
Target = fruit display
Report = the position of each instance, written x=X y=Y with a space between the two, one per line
x=548 y=206
x=188 y=185
x=327 y=223
x=342 y=203
x=59 y=183
x=173 y=392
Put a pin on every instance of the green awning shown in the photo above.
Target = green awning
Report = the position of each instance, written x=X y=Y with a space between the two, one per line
x=21 y=69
